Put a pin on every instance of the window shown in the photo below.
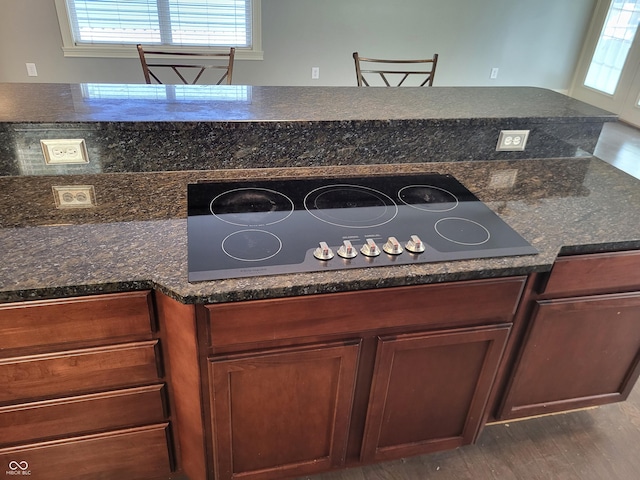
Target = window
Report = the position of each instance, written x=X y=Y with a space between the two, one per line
x=171 y=93
x=613 y=46
x=110 y=28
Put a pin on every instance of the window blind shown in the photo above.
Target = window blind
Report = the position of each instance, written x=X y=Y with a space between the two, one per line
x=225 y=23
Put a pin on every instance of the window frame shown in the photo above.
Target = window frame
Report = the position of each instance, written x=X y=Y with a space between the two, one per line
x=70 y=48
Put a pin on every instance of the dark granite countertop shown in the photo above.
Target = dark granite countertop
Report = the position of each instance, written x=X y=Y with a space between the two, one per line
x=146 y=142
x=160 y=128
x=59 y=103
x=137 y=239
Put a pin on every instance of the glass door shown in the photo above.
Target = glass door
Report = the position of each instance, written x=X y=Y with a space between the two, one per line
x=630 y=112
x=608 y=75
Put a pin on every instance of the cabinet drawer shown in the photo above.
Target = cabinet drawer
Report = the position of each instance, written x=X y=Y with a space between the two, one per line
x=82 y=414
x=438 y=305
x=135 y=453
x=84 y=370
x=95 y=318
x=594 y=273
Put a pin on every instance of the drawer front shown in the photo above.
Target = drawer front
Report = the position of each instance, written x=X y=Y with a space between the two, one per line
x=128 y=454
x=74 y=371
x=97 y=318
x=64 y=417
x=594 y=273
x=438 y=305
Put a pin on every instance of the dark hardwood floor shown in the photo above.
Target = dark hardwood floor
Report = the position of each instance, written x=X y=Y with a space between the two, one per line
x=596 y=444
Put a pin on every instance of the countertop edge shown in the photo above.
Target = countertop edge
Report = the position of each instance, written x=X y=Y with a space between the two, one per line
x=336 y=287
x=305 y=288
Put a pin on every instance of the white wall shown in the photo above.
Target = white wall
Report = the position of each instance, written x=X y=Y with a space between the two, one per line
x=533 y=42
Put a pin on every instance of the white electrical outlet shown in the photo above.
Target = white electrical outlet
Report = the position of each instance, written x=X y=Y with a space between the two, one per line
x=65 y=151
x=512 y=140
x=32 y=71
x=494 y=73
x=74 y=196
x=315 y=73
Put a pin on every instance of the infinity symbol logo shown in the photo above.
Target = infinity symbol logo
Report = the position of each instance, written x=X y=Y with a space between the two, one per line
x=13 y=465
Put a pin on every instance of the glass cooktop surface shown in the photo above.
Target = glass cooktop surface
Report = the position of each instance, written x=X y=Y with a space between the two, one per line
x=268 y=227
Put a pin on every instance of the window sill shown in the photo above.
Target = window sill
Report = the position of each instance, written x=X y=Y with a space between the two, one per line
x=116 y=51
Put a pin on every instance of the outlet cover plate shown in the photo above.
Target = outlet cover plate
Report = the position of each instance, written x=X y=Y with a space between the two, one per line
x=74 y=196
x=512 y=140
x=64 y=151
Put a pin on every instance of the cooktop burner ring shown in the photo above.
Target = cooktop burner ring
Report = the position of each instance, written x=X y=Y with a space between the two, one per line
x=449 y=227
x=249 y=241
x=351 y=206
x=251 y=206
x=427 y=198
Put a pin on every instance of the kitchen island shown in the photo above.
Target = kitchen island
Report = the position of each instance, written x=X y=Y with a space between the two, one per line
x=290 y=375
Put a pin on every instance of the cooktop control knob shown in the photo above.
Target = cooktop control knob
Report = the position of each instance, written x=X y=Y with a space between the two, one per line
x=346 y=250
x=323 y=252
x=415 y=245
x=393 y=247
x=370 y=249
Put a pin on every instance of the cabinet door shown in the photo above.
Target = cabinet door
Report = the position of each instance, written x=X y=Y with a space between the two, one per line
x=282 y=413
x=430 y=391
x=579 y=352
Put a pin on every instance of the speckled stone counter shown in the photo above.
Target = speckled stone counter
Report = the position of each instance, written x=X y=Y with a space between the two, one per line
x=137 y=240
x=150 y=128
x=146 y=142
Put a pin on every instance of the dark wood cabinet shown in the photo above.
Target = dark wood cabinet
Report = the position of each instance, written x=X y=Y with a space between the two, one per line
x=78 y=371
x=83 y=388
x=91 y=320
x=295 y=386
x=282 y=413
x=132 y=454
x=288 y=387
x=67 y=416
x=582 y=347
x=430 y=390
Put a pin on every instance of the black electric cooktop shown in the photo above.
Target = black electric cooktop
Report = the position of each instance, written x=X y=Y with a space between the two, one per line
x=268 y=227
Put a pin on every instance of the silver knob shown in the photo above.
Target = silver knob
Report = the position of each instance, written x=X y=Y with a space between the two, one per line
x=393 y=247
x=370 y=249
x=415 y=245
x=323 y=252
x=346 y=250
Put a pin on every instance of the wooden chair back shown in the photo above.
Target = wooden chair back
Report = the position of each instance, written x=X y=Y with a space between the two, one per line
x=220 y=62
x=394 y=70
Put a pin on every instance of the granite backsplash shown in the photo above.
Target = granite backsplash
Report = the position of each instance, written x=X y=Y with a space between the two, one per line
x=123 y=197
x=146 y=142
x=157 y=128
x=151 y=147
